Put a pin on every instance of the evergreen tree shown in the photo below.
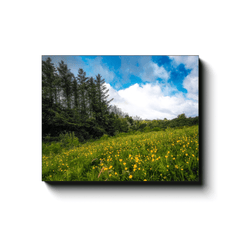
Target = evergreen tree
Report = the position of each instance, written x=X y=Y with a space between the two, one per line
x=102 y=94
x=103 y=103
x=66 y=84
x=92 y=97
x=48 y=80
x=83 y=97
x=57 y=89
x=76 y=98
x=75 y=90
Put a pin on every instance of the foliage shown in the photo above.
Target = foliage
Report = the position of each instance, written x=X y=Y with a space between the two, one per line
x=170 y=155
x=52 y=148
x=104 y=137
x=68 y=140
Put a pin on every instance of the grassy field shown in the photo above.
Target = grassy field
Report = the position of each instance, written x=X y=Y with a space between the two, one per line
x=170 y=155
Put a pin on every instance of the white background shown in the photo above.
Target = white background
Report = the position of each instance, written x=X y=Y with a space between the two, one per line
x=30 y=209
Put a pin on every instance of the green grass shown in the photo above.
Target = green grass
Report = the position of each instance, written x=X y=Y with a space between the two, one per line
x=170 y=155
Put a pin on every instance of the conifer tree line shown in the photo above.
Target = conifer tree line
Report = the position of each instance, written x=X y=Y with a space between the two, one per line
x=77 y=104
x=80 y=104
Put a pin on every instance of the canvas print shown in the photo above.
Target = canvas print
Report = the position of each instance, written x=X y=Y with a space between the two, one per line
x=120 y=118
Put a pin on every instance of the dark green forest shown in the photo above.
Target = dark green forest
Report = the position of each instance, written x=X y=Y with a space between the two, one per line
x=80 y=105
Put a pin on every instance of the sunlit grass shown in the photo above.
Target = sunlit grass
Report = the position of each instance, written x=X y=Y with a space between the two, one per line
x=170 y=155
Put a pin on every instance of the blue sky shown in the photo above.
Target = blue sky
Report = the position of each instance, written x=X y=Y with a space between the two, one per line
x=152 y=87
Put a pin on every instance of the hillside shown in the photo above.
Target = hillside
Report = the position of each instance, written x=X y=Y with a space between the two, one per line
x=170 y=155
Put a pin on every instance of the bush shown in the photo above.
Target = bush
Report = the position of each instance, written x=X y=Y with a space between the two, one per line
x=157 y=129
x=147 y=129
x=142 y=126
x=181 y=127
x=48 y=138
x=68 y=140
x=52 y=148
x=104 y=137
x=121 y=134
x=116 y=132
x=131 y=132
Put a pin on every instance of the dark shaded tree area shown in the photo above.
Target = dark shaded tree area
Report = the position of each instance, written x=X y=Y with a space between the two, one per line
x=79 y=104
x=76 y=104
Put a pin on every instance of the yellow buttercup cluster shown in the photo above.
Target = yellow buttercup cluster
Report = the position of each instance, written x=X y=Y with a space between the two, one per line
x=170 y=155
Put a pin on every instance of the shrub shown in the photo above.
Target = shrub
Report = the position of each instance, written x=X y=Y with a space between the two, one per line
x=48 y=138
x=68 y=140
x=122 y=134
x=52 y=148
x=157 y=129
x=116 y=132
x=104 y=137
x=147 y=129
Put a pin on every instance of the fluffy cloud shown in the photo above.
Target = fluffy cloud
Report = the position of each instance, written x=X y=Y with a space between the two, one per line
x=142 y=67
x=151 y=72
x=190 y=83
x=96 y=66
x=190 y=62
x=149 y=102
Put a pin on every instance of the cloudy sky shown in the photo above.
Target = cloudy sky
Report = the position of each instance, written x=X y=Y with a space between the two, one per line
x=150 y=87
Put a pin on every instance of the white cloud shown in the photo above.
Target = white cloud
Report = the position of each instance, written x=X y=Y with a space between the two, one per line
x=149 y=102
x=142 y=67
x=190 y=83
x=151 y=71
x=96 y=66
x=190 y=62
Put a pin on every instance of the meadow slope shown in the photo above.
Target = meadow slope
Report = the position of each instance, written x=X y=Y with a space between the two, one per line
x=170 y=155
